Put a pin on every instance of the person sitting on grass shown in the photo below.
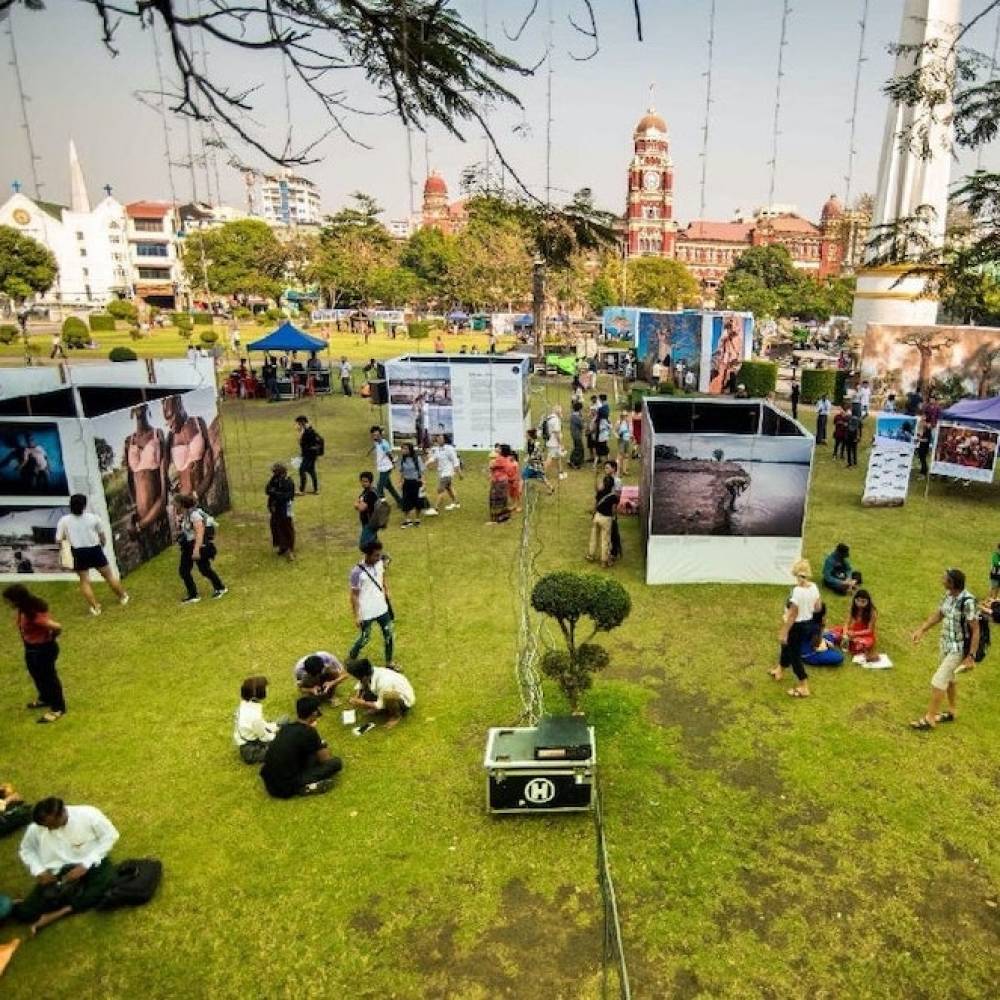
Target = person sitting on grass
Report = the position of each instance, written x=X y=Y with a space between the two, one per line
x=380 y=690
x=319 y=674
x=66 y=850
x=252 y=732
x=858 y=634
x=298 y=761
x=820 y=649
x=837 y=572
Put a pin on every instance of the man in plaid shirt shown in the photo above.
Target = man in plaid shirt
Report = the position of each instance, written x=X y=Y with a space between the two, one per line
x=959 y=618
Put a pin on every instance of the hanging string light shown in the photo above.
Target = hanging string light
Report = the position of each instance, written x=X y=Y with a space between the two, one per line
x=33 y=157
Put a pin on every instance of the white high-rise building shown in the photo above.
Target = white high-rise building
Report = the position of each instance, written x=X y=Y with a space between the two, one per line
x=288 y=200
x=89 y=244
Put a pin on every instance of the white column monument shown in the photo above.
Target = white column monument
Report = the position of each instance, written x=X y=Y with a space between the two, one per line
x=908 y=180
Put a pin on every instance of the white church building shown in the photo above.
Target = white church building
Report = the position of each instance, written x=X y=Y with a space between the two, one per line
x=90 y=245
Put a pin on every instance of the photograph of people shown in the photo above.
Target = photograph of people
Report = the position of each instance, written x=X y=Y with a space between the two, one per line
x=32 y=461
x=190 y=450
x=145 y=459
x=727 y=356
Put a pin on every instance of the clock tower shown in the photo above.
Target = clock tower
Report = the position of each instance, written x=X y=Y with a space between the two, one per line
x=649 y=213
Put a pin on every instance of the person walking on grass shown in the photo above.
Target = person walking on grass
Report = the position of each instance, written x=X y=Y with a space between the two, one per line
x=605 y=504
x=280 y=492
x=370 y=602
x=576 y=430
x=365 y=505
x=39 y=630
x=822 y=416
x=445 y=457
x=345 y=375
x=552 y=433
x=852 y=437
x=797 y=626
x=310 y=449
x=384 y=464
x=85 y=535
x=623 y=437
x=795 y=394
x=411 y=469
x=840 y=422
x=959 y=639
x=924 y=438
x=196 y=538
x=57 y=346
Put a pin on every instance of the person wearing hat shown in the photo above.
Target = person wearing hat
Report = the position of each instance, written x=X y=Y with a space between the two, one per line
x=297 y=761
x=796 y=627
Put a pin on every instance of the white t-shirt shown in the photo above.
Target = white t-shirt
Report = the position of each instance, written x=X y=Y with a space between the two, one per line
x=86 y=839
x=345 y=369
x=689 y=378
x=369 y=582
x=251 y=725
x=83 y=532
x=657 y=371
x=805 y=600
x=446 y=459
x=383 y=456
x=385 y=681
x=554 y=429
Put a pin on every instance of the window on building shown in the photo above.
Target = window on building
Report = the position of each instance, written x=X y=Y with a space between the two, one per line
x=151 y=250
x=89 y=294
x=79 y=235
x=148 y=225
x=114 y=239
x=86 y=273
x=153 y=274
x=83 y=252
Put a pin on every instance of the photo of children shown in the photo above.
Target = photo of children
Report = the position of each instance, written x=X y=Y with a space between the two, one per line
x=965 y=453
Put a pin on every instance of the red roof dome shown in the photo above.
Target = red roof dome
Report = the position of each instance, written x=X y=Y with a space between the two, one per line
x=651 y=120
x=435 y=184
x=832 y=209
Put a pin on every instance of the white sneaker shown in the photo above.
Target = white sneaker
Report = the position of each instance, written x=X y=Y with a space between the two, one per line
x=450 y=506
x=430 y=512
x=124 y=599
x=95 y=611
x=564 y=475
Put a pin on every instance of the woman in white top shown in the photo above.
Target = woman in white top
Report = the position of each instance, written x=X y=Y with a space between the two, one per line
x=796 y=626
x=86 y=538
x=252 y=731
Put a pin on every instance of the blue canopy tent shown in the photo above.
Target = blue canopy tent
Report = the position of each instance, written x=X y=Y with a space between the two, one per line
x=980 y=411
x=288 y=338
x=458 y=316
x=524 y=321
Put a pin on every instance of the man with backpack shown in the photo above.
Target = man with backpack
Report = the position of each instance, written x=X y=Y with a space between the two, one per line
x=959 y=646
x=373 y=511
x=196 y=538
x=311 y=447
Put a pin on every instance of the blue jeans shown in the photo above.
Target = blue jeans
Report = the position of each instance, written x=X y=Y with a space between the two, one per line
x=385 y=623
x=385 y=483
x=367 y=535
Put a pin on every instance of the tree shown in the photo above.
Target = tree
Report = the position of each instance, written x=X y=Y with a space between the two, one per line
x=927 y=341
x=656 y=283
x=239 y=258
x=430 y=255
x=491 y=267
x=771 y=265
x=124 y=310
x=568 y=598
x=601 y=294
x=26 y=267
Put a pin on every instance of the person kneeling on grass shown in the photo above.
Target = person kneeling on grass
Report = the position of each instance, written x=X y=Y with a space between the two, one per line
x=297 y=761
x=252 y=732
x=319 y=674
x=66 y=850
x=382 y=691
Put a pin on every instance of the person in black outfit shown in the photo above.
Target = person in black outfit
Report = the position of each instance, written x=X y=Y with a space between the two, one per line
x=795 y=400
x=924 y=445
x=853 y=436
x=280 y=492
x=309 y=449
x=39 y=631
x=365 y=506
x=297 y=761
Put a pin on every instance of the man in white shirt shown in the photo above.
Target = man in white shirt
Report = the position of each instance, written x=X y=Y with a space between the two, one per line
x=66 y=850
x=864 y=398
x=657 y=373
x=445 y=457
x=370 y=601
x=380 y=690
x=553 y=440
x=822 y=416
x=384 y=464
x=345 y=376
x=690 y=380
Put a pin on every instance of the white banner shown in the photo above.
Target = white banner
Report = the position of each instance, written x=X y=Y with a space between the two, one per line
x=965 y=452
x=891 y=458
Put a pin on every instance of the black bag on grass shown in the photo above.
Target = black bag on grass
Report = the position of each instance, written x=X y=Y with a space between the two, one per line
x=14 y=817
x=135 y=883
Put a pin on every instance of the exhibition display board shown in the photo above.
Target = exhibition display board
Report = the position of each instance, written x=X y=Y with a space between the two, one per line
x=723 y=492
x=890 y=460
x=129 y=436
x=475 y=401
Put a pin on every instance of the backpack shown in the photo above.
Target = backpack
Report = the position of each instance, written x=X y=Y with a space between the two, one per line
x=135 y=883
x=979 y=654
x=320 y=445
x=211 y=525
x=380 y=515
x=14 y=817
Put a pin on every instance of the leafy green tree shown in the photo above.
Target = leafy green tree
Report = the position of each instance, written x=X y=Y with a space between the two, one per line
x=430 y=255
x=569 y=598
x=749 y=293
x=492 y=266
x=394 y=285
x=601 y=294
x=26 y=267
x=656 y=283
x=123 y=309
x=771 y=265
x=238 y=258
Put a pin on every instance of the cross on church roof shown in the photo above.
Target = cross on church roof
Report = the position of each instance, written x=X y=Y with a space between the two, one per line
x=107 y=190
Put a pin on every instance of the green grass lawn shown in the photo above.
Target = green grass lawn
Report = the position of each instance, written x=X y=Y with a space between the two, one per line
x=762 y=847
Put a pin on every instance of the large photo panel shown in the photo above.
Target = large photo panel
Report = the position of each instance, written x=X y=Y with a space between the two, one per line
x=420 y=399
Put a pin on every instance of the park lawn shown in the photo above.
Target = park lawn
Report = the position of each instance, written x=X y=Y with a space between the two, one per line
x=761 y=846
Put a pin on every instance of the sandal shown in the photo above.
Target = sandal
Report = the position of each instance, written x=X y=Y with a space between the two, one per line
x=945 y=717
x=49 y=717
x=796 y=693
x=922 y=725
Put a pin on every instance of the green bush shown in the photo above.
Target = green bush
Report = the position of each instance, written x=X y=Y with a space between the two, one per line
x=124 y=310
x=818 y=382
x=184 y=332
x=183 y=322
x=75 y=332
x=177 y=318
x=102 y=323
x=8 y=333
x=418 y=329
x=759 y=377
x=202 y=319
x=208 y=337
x=274 y=315
x=122 y=354
x=241 y=312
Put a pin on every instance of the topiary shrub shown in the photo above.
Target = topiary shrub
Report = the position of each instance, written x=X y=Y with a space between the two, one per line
x=75 y=332
x=208 y=337
x=274 y=315
x=568 y=598
x=122 y=354
x=101 y=323
x=123 y=310
x=202 y=319
x=241 y=312
x=8 y=333
x=818 y=382
x=418 y=329
x=183 y=322
x=759 y=377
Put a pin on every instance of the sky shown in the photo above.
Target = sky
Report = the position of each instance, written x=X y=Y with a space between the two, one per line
x=77 y=90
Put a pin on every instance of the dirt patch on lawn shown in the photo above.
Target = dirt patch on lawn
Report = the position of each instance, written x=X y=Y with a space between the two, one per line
x=537 y=949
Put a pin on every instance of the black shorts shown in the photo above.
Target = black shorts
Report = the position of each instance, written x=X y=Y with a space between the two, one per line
x=92 y=557
x=602 y=449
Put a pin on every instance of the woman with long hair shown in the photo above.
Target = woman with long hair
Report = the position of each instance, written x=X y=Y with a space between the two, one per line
x=797 y=627
x=500 y=484
x=196 y=538
x=38 y=631
x=605 y=505
x=280 y=490
x=858 y=634
x=85 y=535
x=414 y=498
x=146 y=461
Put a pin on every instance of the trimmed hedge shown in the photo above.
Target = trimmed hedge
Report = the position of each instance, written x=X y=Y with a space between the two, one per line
x=101 y=323
x=122 y=309
x=122 y=354
x=208 y=337
x=8 y=333
x=418 y=329
x=818 y=382
x=759 y=377
x=202 y=319
x=75 y=332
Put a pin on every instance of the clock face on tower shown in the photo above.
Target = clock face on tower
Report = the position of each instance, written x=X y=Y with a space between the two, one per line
x=651 y=180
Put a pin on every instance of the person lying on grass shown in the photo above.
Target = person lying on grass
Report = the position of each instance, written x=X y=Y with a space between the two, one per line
x=381 y=691
x=319 y=674
x=66 y=850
